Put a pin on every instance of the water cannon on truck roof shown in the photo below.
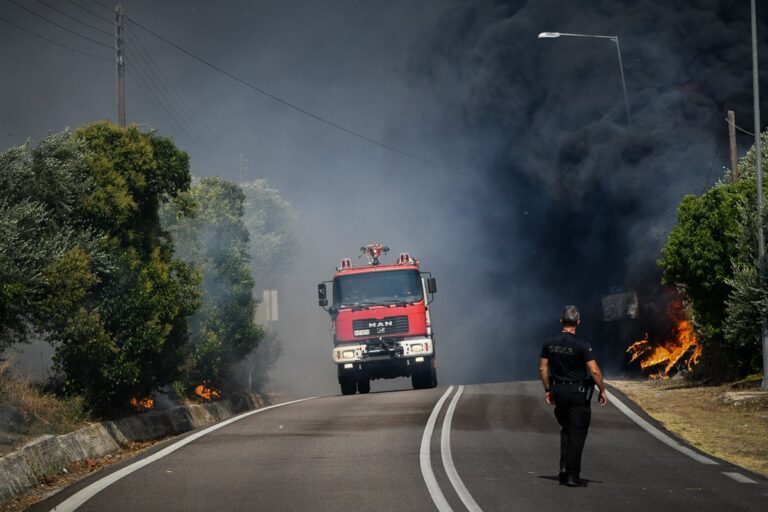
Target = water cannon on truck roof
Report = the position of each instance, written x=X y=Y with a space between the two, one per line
x=381 y=323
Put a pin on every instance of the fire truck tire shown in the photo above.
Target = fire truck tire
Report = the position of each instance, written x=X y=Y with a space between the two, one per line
x=348 y=385
x=364 y=386
x=424 y=377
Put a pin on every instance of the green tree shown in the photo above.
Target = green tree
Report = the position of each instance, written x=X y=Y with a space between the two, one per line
x=710 y=255
x=215 y=240
x=41 y=191
x=129 y=337
x=84 y=259
x=747 y=303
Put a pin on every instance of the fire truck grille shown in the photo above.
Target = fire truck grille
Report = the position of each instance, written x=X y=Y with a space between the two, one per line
x=380 y=327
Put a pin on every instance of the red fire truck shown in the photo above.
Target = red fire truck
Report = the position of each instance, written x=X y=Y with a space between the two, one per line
x=380 y=321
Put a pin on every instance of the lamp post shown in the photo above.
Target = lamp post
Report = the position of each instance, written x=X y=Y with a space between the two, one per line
x=615 y=39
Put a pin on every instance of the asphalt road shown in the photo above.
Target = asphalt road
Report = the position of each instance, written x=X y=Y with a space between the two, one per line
x=482 y=447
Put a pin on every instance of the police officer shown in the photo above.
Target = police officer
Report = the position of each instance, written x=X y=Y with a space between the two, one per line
x=569 y=372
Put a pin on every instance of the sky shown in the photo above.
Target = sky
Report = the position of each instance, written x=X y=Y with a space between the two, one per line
x=529 y=190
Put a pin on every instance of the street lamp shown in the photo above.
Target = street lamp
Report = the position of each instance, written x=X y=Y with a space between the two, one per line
x=615 y=39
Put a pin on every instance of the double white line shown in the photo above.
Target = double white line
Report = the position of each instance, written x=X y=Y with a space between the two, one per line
x=425 y=457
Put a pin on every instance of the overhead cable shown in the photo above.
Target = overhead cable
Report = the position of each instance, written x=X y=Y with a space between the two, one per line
x=163 y=85
x=291 y=105
x=738 y=127
x=67 y=15
x=30 y=32
x=103 y=6
x=92 y=13
x=151 y=88
x=213 y=140
x=62 y=27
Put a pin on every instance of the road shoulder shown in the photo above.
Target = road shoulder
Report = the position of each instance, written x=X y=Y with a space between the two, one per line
x=702 y=418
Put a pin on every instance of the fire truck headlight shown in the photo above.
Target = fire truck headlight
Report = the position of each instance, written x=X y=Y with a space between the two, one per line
x=417 y=347
x=348 y=354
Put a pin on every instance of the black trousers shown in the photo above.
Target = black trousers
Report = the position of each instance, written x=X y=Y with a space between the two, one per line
x=573 y=413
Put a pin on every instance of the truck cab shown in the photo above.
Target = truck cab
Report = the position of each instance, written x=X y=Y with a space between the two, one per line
x=381 y=324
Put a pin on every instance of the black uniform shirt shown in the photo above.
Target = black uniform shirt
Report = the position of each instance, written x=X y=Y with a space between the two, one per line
x=568 y=356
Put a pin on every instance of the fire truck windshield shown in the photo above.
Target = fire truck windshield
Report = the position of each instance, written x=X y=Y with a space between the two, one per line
x=389 y=287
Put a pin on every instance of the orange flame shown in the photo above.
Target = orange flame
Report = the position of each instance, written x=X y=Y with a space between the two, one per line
x=682 y=347
x=143 y=403
x=207 y=393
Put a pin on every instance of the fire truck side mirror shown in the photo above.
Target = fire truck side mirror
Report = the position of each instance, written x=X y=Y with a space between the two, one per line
x=432 y=285
x=322 y=295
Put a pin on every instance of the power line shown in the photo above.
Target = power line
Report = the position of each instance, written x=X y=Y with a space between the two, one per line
x=151 y=88
x=153 y=84
x=92 y=13
x=166 y=98
x=162 y=82
x=166 y=103
x=144 y=84
x=62 y=27
x=63 y=13
x=739 y=127
x=211 y=140
x=19 y=27
x=292 y=106
x=103 y=6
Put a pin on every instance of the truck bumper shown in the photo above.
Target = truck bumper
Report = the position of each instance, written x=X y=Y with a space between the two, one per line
x=384 y=363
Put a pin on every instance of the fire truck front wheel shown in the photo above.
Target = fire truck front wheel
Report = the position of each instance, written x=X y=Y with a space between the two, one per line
x=348 y=385
x=424 y=376
x=363 y=385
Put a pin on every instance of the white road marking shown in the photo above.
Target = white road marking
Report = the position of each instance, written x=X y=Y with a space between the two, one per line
x=83 y=495
x=658 y=434
x=425 y=458
x=739 y=477
x=445 y=451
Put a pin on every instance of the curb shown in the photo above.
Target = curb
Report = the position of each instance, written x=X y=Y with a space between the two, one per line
x=47 y=455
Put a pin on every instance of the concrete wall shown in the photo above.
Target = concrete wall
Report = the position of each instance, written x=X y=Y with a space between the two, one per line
x=49 y=455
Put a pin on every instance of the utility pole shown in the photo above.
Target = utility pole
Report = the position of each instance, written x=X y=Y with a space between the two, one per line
x=759 y=178
x=119 y=46
x=734 y=154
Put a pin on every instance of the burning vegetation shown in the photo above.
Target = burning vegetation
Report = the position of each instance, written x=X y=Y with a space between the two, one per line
x=207 y=393
x=142 y=404
x=675 y=349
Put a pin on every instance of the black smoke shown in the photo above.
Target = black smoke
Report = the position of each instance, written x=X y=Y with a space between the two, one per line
x=579 y=202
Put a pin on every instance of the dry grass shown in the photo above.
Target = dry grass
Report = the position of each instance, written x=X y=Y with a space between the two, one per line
x=26 y=412
x=736 y=433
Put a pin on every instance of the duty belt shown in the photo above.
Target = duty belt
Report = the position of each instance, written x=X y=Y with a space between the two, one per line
x=569 y=382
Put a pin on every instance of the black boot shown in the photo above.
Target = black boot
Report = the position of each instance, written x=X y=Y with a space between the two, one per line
x=562 y=476
x=573 y=481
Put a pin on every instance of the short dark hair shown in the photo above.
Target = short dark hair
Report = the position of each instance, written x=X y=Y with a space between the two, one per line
x=570 y=316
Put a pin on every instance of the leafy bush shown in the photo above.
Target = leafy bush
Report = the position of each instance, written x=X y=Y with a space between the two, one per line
x=711 y=256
